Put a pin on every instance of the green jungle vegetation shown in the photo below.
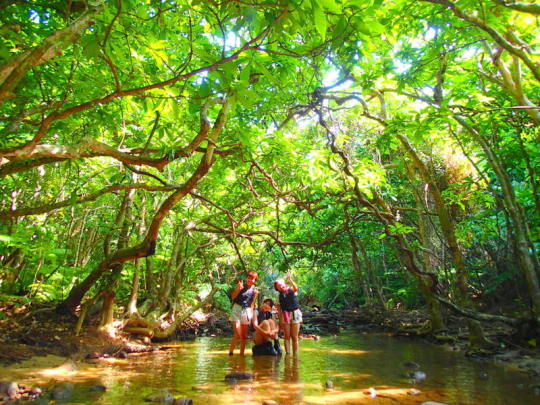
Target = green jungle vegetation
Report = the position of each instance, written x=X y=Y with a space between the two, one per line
x=385 y=152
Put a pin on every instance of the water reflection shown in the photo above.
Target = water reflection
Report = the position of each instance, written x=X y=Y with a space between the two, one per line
x=363 y=369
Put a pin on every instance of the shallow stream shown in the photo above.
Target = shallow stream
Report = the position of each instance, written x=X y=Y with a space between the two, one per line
x=363 y=369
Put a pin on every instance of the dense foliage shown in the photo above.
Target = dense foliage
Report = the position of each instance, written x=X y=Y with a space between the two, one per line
x=384 y=152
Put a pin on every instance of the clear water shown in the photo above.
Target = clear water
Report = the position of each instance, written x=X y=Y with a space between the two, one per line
x=364 y=369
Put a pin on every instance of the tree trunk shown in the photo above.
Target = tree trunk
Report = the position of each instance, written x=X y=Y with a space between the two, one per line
x=524 y=246
x=148 y=245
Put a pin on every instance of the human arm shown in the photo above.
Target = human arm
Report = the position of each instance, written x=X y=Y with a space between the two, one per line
x=255 y=296
x=294 y=287
x=237 y=289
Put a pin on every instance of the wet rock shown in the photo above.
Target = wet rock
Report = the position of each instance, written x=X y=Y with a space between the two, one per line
x=433 y=403
x=413 y=391
x=238 y=376
x=163 y=396
x=35 y=391
x=62 y=391
x=9 y=388
x=183 y=401
x=418 y=375
x=372 y=392
x=329 y=384
x=98 y=388
x=93 y=355
x=411 y=364
x=122 y=355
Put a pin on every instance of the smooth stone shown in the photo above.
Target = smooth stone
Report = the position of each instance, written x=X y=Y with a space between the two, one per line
x=433 y=403
x=98 y=388
x=163 y=396
x=10 y=388
x=239 y=376
x=62 y=391
x=418 y=375
x=329 y=384
x=413 y=391
x=411 y=364
x=122 y=355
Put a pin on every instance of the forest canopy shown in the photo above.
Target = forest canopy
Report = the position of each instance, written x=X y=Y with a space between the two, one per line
x=385 y=152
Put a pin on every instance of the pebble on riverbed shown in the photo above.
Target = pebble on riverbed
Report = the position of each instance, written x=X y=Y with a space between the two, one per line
x=62 y=391
x=329 y=384
x=418 y=375
x=231 y=377
x=162 y=396
x=433 y=403
x=11 y=391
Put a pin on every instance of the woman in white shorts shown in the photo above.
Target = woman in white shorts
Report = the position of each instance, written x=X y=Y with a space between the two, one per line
x=290 y=316
x=243 y=296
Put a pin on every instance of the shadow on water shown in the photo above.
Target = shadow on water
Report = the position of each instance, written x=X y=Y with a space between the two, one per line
x=349 y=369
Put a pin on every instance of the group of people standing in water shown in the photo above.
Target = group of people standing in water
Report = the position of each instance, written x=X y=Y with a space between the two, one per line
x=268 y=320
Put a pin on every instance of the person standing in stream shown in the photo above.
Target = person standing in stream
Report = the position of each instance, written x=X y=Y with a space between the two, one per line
x=290 y=314
x=244 y=296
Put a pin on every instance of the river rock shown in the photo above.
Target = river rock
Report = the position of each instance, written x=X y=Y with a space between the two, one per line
x=413 y=391
x=62 y=391
x=10 y=388
x=183 y=401
x=433 y=403
x=418 y=375
x=238 y=376
x=411 y=364
x=122 y=355
x=329 y=384
x=98 y=388
x=163 y=396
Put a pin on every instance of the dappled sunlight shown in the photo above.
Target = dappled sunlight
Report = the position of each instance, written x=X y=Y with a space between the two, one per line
x=373 y=397
x=339 y=351
x=221 y=352
x=332 y=372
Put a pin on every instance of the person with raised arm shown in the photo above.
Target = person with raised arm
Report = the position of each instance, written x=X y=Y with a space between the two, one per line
x=244 y=297
x=290 y=315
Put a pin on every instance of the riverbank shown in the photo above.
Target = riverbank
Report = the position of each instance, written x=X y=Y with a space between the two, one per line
x=40 y=331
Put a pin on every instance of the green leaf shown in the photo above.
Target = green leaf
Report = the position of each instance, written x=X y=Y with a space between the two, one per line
x=320 y=21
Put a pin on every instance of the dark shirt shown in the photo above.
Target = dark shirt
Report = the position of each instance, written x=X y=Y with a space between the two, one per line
x=245 y=297
x=263 y=316
x=289 y=301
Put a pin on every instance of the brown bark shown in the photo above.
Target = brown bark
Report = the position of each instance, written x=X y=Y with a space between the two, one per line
x=26 y=148
x=524 y=246
x=147 y=246
x=12 y=72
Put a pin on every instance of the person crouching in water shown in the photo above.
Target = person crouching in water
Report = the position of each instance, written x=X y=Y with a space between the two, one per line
x=266 y=331
x=243 y=296
x=290 y=314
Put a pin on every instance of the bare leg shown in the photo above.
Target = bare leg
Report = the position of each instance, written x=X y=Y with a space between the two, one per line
x=236 y=336
x=243 y=338
x=294 y=331
x=286 y=328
